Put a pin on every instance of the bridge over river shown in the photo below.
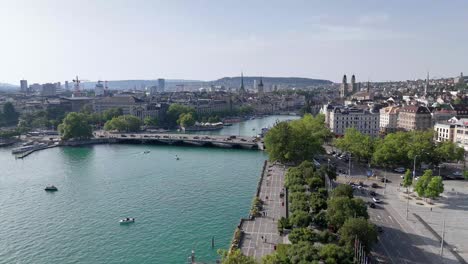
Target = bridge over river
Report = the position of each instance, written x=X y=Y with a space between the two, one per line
x=181 y=139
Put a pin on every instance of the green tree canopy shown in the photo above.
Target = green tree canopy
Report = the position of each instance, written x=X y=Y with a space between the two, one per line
x=75 y=125
x=342 y=208
x=360 y=228
x=300 y=219
x=10 y=116
x=407 y=180
x=400 y=148
x=297 y=140
x=125 y=123
x=423 y=182
x=343 y=190
x=334 y=254
x=303 y=234
x=303 y=252
x=151 y=121
x=449 y=151
x=111 y=113
x=186 y=120
x=435 y=187
x=175 y=110
x=359 y=145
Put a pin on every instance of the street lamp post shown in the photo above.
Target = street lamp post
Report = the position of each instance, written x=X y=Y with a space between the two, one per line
x=414 y=167
x=349 y=165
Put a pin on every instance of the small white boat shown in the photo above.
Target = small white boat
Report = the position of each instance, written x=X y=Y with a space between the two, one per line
x=127 y=220
x=50 y=188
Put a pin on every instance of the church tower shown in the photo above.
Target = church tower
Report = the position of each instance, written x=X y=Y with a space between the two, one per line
x=242 y=88
x=344 y=87
x=353 y=84
x=260 y=87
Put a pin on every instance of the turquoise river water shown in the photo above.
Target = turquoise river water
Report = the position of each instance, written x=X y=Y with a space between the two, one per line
x=179 y=205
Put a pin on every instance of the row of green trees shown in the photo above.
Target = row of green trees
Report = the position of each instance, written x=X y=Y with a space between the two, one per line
x=333 y=220
x=297 y=140
x=399 y=148
x=181 y=115
x=80 y=125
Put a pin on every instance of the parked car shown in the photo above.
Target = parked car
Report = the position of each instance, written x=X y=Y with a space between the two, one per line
x=457 y=174
x=400 y=170
x=372 y=193
x=384 y=180
x=375 y=185
x=371 y=205
x=376 y=200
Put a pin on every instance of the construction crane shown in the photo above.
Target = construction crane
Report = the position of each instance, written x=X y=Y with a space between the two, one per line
x=77 y=83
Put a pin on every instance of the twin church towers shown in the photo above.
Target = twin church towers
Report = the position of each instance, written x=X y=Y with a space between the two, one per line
x=347 y=90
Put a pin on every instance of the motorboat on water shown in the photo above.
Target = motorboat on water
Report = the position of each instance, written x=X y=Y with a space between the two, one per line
x=127 y=220
x=50 y=188
x=176 y=157
x=146 y=152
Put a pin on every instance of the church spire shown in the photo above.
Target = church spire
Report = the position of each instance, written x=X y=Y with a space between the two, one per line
x=242 y=88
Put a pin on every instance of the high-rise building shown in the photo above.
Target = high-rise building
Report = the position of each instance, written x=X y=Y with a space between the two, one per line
x=24 y=86
x=49 y=89
x=344 y=87
x=161 y=85
x=67 y=88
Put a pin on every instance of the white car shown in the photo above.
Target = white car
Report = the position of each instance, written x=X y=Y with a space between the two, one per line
x=457 y=173
x=400 y=170
x=376 y=200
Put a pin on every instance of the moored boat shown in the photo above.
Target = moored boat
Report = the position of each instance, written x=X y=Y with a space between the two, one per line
x=50 y=188
x=127 y=220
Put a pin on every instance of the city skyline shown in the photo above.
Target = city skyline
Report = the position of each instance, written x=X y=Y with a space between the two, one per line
x=54 y=41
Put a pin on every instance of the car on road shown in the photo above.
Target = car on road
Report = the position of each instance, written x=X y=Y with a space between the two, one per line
x=123 y=135
x=375 y=185
x=372 y=193
x=400 y=170
x=376 y=200
x=457 y=174
x=384 y=180
x=371 y=205
x=196 y=137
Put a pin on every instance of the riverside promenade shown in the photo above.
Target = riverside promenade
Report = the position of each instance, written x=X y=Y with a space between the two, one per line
x=265 y=226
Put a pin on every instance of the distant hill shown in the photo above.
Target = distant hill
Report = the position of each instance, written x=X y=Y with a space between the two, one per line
x=268 y=81
x=8 y=87
x=138 y=84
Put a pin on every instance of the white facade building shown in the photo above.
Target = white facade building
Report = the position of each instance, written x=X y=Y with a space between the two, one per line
x=364 y=121
x=389 y=119
x=444 y=131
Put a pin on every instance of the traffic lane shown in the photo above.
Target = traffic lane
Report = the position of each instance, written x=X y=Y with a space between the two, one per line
x=394 y=242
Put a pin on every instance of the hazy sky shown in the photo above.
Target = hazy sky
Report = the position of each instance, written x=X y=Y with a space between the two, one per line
x=54 y=40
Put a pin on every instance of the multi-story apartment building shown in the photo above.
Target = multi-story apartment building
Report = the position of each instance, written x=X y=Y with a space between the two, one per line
x=389 y=119
x=414 y=117
x=364 y=121
x=444 y=131
x=461 y=133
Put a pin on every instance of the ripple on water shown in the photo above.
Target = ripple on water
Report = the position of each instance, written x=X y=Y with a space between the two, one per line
x=179 y=205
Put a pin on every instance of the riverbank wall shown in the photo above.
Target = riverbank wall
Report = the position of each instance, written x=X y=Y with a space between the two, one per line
x=238 y=233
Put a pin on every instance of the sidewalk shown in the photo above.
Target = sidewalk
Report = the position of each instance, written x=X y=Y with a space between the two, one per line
x=266 y=225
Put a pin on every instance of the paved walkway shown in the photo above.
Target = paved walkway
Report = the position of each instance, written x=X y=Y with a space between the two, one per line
x=266 y=226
